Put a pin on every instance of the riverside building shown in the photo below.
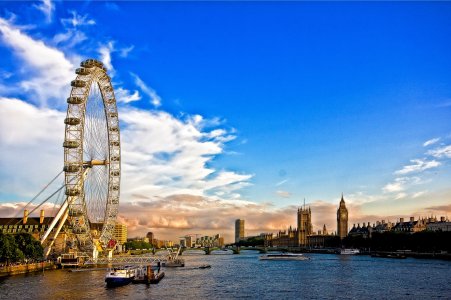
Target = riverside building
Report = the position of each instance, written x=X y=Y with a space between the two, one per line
x=120 y=233
x=296 y=237
x=303 y=236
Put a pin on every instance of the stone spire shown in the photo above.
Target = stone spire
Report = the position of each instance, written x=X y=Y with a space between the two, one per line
x=342 y=201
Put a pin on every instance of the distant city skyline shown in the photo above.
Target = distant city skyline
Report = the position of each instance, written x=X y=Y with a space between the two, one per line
x=239 y=110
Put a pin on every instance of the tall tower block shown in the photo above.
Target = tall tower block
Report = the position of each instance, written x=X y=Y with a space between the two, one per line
x=239 y=230
x=342 y=219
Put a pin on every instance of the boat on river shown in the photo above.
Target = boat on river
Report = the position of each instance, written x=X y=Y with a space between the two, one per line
x=174 y=260
x=348 y=251
x=205 y=267
x=120 y=275
x=146 y=274
x=283 y=256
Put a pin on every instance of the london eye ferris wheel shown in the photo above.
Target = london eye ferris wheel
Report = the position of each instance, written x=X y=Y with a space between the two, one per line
x=92 y=154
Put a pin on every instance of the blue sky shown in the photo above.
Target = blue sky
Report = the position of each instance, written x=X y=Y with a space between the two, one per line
x=312 y=99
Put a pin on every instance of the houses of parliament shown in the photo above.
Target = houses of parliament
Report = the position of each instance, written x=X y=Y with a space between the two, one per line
x=303 y=235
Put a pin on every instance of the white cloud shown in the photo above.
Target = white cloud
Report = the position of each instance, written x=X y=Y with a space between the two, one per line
x=226 y=182
x=126 y=96
x=359 y=198
x=418 y=165
x=5 y=74
x=15 y=210
x=431 y=142
x=154 y=98
x=47 y=71
x=400 y=184
x=393 y=187
x=69 y=38
x=400 y=196
x=47 y=8
x=77 y=20
x=123 y=52
x=283 y=194
x=31 y=146
x=419 y=194
x=441 y=152
x=105 y=55
x=161 y=155
x=73 y=34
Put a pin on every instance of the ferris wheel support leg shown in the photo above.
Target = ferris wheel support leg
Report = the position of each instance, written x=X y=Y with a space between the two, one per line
x=110 y=255
x=95 y=255
x=58 y=229
x=62 y=210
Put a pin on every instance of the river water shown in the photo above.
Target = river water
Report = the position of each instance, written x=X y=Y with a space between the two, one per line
x=244 y=276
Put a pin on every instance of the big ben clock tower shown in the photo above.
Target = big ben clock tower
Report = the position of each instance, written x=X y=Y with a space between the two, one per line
x=342 y=219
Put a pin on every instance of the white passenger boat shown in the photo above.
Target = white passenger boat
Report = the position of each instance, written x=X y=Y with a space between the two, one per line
x=120 y=275
x=284 y=256
x=349 y=251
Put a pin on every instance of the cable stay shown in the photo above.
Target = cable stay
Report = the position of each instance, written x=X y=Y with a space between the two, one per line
x=34 y=198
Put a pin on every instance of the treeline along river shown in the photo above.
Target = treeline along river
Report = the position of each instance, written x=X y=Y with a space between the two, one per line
x=324 y=276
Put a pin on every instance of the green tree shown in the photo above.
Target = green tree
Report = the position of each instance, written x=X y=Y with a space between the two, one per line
x=9 y=251
x=252 y=241
x=31 y=248
x=133 y=245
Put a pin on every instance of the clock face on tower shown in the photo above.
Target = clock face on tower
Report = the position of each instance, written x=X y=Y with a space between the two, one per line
x=343 y=215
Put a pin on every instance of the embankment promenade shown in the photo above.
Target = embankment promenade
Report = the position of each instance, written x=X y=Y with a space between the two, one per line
x=26 y=268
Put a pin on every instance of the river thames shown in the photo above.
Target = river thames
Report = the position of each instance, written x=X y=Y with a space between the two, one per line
x=245 y=276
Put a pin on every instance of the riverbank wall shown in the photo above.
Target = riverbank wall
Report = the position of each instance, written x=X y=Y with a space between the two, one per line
x=26 y=268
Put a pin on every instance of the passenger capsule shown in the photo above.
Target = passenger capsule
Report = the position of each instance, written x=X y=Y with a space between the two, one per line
x=98 y=64
x=71 y=144
x=72 y=192
x=71 y=168
x=78 y=83
x=75 y=100
x=89 y=63
x=83 y=71
x=72 y=121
